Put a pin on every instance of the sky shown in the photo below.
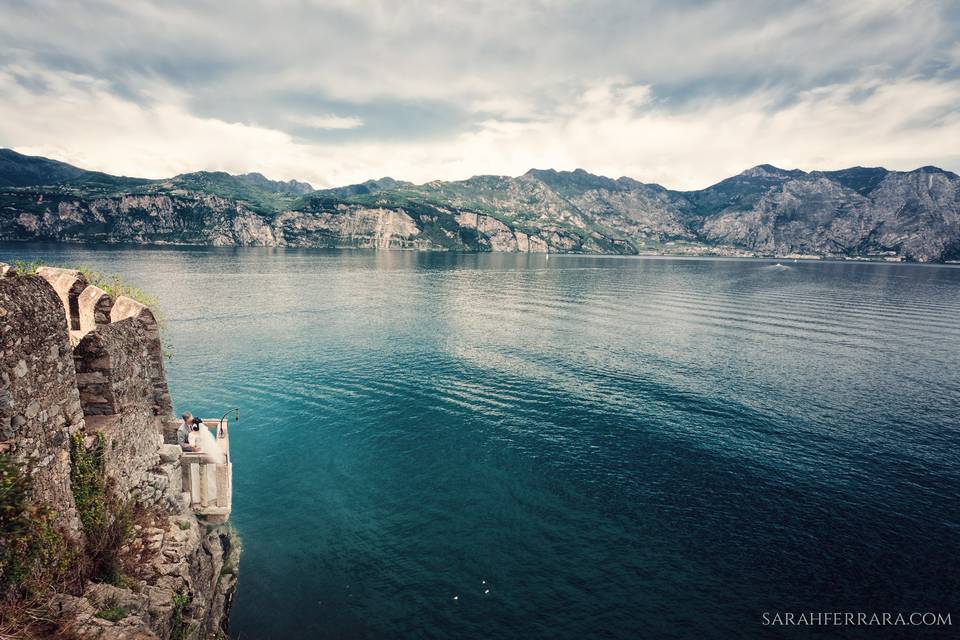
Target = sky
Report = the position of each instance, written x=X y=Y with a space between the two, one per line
x=336 y=92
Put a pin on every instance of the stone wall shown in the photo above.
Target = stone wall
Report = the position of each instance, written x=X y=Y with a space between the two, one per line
x=95 y=307
x=69 y=284
x=39 y=404
x=114 y=369
x=113 y=382
x=162 y=485
x=48 y=390
x=124 y=308
x=133 y=446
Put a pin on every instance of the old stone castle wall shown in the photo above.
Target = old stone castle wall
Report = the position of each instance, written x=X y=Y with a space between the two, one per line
x=112 y=381
x=39 y=404
x=74 y=359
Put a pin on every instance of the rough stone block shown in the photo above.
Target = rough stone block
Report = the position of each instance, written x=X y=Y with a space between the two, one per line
x=170 y=453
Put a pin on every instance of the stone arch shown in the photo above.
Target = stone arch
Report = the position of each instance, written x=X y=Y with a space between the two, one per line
x=95 y=307
x=69 y=284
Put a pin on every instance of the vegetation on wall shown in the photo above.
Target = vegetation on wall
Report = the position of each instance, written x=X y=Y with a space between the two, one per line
x=26 y=267
x=35 y=557
x=88 y=480
x=179 y=628
x=107 y=520
x=33 y=554
x=113 y=613
x=116 y=287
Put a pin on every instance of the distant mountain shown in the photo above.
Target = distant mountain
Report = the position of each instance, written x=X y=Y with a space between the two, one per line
x=291 y=187
x=366 y=188
x=851 y=213
x=17 y=170
x=854 y=212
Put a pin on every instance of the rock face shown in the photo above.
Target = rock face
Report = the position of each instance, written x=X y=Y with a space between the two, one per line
x=186 y=579
x=109 y=391
x=857 y=212
x=39 y=404
x=915 y=215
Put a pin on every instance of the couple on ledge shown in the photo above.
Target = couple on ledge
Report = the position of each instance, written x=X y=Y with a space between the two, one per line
x=194 y=436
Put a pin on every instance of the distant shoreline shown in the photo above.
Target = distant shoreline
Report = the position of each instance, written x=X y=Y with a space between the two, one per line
x=9 y=243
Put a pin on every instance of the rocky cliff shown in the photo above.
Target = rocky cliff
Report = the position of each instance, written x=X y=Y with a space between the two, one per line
x=857 y=212
x=97 y=539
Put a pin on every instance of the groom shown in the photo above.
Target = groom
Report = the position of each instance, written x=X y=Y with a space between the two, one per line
x=187 y=433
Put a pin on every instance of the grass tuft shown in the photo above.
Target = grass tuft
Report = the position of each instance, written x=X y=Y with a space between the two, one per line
x=26 y=267
x=115 y=613
x=116 y=287
x=180 y=630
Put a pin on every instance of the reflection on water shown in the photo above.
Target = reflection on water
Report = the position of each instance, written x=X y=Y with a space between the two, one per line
x=580 y=447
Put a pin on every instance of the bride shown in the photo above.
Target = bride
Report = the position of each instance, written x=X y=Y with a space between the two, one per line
x=207 y=444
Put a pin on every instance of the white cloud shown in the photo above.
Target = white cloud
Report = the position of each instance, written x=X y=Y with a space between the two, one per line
x=610 y=127
x=375 y=50
x=328 y=121
x=616 y=130
x=77 y=119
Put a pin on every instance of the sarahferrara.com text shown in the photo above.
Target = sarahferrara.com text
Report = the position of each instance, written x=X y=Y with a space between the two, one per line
x=856 y=619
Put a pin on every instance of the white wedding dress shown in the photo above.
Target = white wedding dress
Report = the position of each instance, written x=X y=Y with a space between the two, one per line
x=208 y=445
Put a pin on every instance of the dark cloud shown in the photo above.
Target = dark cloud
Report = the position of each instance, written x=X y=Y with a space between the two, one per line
x=427 y=71
x=366 y=51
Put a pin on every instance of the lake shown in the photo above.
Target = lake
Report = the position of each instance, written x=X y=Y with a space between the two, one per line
x=504 y=446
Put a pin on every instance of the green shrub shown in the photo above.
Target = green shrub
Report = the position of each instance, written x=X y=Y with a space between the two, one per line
x=179 y=629
x=26 y=267
x=107 y=521
x=34 y=555
x=116 y=287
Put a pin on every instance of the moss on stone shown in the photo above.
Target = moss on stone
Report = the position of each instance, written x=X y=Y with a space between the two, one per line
x=88 y=480
x=113 y=614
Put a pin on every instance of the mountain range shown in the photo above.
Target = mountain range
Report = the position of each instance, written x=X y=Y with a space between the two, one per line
x=859 y=212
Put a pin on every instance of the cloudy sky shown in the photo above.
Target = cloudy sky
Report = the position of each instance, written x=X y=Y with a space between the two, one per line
x=335 y=92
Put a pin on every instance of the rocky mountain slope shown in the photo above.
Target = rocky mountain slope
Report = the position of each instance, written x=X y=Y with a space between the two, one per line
x=857 y=212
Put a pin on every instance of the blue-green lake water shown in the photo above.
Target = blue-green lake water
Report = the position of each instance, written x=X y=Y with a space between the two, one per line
x=504 y=446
